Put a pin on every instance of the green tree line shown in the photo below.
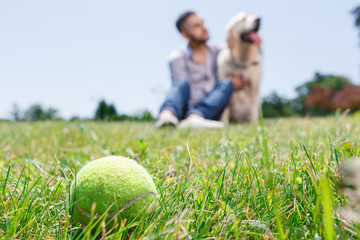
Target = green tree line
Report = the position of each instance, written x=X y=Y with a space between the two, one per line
x=322 y=95
x=103 y=112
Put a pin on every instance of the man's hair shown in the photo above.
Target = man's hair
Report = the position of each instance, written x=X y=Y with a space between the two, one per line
x=180 y=22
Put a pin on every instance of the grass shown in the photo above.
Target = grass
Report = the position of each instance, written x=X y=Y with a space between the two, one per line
x=243 y=182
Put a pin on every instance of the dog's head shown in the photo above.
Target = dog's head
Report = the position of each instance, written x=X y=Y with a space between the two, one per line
x=243 y=28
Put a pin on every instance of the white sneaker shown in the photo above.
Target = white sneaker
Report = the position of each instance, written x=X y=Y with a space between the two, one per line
x=196 y=121
x=166 y=118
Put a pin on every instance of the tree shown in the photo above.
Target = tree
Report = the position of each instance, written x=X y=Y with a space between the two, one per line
x=313 y=96
x=51 y=114
x=356 y=12
x=274 y=105
x=319 y=100
x=36 y=113
x=143 y=116
x=147 y=116
x=105 y=111
x=16 y=113
x=326 y=80
x=347 y=98
x=327 y=93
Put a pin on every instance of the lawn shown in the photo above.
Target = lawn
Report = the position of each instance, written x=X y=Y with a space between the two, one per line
x=276 y=180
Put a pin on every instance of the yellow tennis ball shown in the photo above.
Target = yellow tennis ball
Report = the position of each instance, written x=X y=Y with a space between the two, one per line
x=114 y=186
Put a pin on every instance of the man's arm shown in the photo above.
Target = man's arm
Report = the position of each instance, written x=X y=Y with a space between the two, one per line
x=237 y=81
x=177 y=69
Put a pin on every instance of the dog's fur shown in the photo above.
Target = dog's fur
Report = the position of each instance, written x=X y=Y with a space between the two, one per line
x=242 y=56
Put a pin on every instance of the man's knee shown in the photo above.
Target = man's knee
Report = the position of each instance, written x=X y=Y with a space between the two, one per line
x=227 y=86
x=182 y=89
x=182 y=84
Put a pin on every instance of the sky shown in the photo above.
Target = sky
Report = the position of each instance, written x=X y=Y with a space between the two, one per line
x=71 y=54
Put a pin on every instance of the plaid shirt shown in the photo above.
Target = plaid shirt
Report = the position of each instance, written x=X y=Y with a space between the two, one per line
x=201 y=77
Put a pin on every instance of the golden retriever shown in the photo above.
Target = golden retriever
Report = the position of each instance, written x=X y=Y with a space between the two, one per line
x=242 y=56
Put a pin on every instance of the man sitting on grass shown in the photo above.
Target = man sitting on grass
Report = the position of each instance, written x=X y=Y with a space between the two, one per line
x=196 y=95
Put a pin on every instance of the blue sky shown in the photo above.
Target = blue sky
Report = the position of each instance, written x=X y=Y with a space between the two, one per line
x=70 y=54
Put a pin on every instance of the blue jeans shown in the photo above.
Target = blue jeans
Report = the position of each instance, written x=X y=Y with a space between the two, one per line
x=210 y=107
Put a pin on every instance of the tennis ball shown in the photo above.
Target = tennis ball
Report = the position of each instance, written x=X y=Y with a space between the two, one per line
x=114 y=186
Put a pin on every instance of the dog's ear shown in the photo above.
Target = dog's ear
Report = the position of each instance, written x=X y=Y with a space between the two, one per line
x=231 y=40
x=233 y=43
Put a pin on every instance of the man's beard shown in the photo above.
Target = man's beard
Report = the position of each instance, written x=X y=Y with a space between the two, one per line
x=197 y=40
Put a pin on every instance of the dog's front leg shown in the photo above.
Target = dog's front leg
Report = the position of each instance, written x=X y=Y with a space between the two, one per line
x=254 y=114
x=225 y=116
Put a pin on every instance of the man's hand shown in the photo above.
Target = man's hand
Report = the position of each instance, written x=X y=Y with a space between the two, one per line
x=237 y=81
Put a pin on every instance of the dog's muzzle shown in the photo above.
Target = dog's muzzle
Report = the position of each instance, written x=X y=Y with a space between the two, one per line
x=246 y=36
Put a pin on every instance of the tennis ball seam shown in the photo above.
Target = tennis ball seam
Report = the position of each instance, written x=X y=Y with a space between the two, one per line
x=111 y=215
